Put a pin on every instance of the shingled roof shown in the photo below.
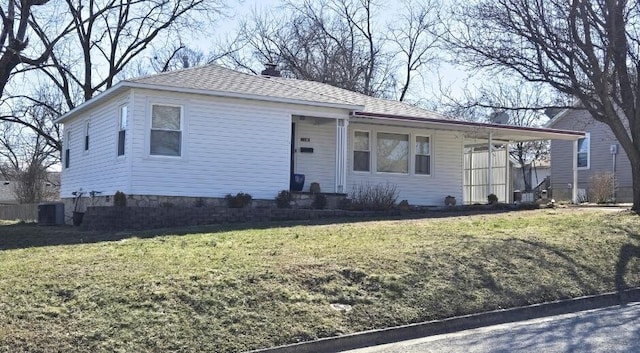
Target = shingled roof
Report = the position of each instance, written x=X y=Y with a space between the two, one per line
x=219 y=79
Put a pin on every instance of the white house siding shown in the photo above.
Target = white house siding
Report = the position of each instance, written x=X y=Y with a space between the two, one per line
x=99 y=168
x=601 y=159
x=446 y=166
x=229 y=146
x=319 y=166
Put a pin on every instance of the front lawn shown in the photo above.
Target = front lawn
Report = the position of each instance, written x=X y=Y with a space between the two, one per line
x=226 y=289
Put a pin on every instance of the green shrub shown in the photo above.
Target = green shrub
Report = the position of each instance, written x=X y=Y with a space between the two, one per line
x=120 y=199
x=404 y=205
x=283 y=200
x=240 y=200
x=492 y=198
x=378 y=197
x=319 y=202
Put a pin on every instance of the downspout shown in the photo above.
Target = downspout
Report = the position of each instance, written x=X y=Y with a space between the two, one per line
x=490 y=165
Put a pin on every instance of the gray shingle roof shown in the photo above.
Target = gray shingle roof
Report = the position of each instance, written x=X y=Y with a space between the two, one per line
x=216 y=78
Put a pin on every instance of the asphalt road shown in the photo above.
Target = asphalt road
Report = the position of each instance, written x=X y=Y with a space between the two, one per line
x=613 y=329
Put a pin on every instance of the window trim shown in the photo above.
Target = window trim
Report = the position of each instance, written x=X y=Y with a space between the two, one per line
x=67 y=150
x=87 y=140
x=150 y=129
x=586 y=137
x=415 y=154
x=120 y=129
x=409 y=152
x=353 y=144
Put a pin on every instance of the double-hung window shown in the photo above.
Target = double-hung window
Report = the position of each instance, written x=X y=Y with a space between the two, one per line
x=423 y=155
x=166 y=130
x=584 y=147
x=86 y=135
x=122 y=129
x=67 y=150
x=361 y=151
x=392 y=153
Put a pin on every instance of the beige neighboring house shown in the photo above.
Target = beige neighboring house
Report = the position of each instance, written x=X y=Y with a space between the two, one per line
x=540 y=170
x=598 y=152
x=8 y=195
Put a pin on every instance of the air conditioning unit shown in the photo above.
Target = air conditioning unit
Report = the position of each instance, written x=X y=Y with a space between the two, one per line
x=51 y=214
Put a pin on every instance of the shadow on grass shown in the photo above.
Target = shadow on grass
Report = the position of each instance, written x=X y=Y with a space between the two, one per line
x=28 y=235
x=627 y=253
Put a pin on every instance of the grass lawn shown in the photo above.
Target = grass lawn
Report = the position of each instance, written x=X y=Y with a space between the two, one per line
x=226 y=289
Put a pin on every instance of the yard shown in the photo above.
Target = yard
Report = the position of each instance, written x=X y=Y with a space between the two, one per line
x=235 y=288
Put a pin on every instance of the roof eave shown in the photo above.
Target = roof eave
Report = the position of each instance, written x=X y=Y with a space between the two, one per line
x=128 y=84
x=461 y=125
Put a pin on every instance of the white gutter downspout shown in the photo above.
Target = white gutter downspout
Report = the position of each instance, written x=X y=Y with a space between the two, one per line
x=490 y=165
x=507 y=169
x=574 y=189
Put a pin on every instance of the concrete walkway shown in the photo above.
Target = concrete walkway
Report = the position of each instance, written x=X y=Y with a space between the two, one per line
x=611 y=329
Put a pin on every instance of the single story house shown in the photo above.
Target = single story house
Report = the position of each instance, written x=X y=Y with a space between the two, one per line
x=597 y=152
x=207 y=131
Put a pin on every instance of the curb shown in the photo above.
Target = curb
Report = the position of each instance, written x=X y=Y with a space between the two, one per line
x=455 y=324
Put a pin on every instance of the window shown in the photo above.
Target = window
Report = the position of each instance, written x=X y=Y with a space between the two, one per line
x=583 y=151
x=423 y=155
x=86 y=136
x=166 y=130
x=122 y=129
x=393 y=153
x=66 y=150
x=361 y=152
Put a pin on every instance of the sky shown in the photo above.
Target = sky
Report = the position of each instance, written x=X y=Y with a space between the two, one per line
x=423 y=90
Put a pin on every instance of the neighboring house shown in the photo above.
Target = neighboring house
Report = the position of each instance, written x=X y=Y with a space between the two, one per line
x=540 y=170
x=50 y=187
x=598 y=152
x=7 y=195
x=208 y=131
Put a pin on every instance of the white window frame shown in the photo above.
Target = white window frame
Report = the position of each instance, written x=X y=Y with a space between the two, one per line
x=587 y=138
x=123 y=128
x=415 y=154
x=67 y=150
x=409 y=152
x=86 y=143
x=182 y=130
x=353 y=159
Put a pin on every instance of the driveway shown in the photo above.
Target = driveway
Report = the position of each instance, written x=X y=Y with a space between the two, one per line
x=612 y=329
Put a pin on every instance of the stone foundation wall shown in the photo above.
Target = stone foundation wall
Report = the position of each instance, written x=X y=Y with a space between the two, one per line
x=140 y=218
x=300 y=200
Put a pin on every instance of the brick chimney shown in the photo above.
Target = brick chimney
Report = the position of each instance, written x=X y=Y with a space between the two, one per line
x=270 y=70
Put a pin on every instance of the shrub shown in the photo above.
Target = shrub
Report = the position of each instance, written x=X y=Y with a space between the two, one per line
x=601 y=187
x=492 y=199
x=319 y=202
x=120 y=199
x=404 y=205
x=283 y=200
x=379 y=197
x=240 y=200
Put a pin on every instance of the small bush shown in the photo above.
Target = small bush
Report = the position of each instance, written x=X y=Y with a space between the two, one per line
x=492 y=199
x=379 y=197
x=601 y=187
x=240 y=200
x=319 y=202
x=283 y=200
x=199 y=202
x=404 y=205
x=120 y=199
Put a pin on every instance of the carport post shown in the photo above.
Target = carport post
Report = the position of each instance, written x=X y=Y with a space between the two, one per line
x=574 y=186
x=490 y=165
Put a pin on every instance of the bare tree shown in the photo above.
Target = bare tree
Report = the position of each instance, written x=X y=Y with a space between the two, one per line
x=587 y=49
x=415 y=34
x=17 y=17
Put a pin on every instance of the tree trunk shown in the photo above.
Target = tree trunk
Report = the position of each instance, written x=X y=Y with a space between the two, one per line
x=635 y=175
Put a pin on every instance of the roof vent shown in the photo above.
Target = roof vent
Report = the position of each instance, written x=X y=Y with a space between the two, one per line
x=270 y=70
